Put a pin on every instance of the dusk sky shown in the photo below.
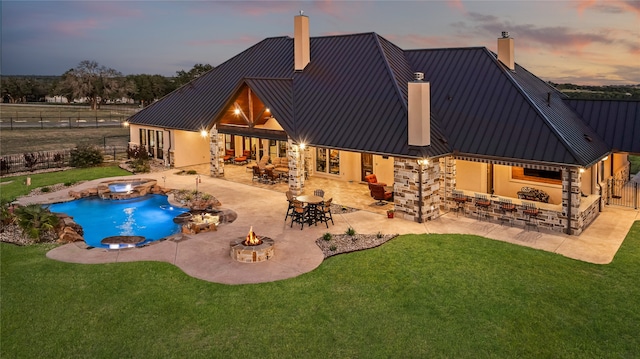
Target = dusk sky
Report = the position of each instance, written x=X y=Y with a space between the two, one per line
x=585 y=42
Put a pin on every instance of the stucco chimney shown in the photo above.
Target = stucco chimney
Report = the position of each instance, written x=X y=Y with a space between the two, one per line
x=419 y=126
x=301 y=41
x=506 y=51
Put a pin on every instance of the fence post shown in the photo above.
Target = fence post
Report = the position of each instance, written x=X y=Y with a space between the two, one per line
x=11 y=119
x=114 y=153
x=635 y=196
x=96 y=120
x=41 y=121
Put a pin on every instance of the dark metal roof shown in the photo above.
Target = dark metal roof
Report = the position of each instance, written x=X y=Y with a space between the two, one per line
x=487 y=110
x=617 y=122
x=353 y=96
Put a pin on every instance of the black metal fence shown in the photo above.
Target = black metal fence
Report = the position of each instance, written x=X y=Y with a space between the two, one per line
x=623 y=193
x=22 y=122
x=34 y=161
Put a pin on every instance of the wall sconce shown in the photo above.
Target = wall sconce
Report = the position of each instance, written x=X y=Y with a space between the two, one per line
x=125 y=124
x=423 y=161
x=302 y=146
x=605 y=158
x=236 y=111
x=203 y=133
x=581 y=170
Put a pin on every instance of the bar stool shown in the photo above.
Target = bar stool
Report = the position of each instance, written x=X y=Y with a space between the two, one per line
x=482 y=204
x=507 y=209
x=460 y=200
x=531 y=213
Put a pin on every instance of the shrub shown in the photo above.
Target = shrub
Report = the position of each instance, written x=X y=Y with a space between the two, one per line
x=333 y=248
x=4 y=165
x=326 y=236
x=350 y=231
x=139 y=159
x=379 y=235
x=30 y=160
x=192 y=172
x=6 y=216
x=36 y=221
x=69 y=183
x=45 y=189
x=85 y=156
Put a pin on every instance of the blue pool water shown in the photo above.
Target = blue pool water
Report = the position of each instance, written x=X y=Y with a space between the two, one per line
x=150 y=216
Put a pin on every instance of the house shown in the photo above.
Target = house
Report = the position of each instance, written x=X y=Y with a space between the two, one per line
x=427 y=121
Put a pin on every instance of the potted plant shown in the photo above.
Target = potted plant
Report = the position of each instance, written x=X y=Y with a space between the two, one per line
x=390 y=213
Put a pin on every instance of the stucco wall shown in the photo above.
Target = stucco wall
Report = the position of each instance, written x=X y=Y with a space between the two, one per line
x=505 y=185
x=351 y=167
x=190 y=148
x=383 y=168
x=471 y=176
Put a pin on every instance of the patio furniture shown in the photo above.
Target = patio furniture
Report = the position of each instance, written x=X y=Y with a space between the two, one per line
x=379 y=193
x=257 y=174
x=324 y=212
x=299 y=214
x=270 y=177
x=312 y=204
x=482 y=205
x=228 y=156
x=319 y=193
x=373 y=179
x=507 y=209
x=460 y=199
x=290 y=199
x=531 y=212
x=244 y=159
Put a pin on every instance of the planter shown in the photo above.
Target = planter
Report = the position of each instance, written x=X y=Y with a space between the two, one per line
x=389 y=214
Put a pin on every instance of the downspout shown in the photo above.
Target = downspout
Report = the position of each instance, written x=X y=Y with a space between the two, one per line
x=420 y=192
x=569 y=203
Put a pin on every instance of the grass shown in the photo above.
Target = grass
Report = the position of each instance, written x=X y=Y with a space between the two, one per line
x=14 y=187
x=418 y=296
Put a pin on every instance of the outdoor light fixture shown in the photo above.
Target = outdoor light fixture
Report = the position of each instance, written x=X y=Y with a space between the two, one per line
x=423 y=161
x=605 y=158
x=125 y=124
x=581 y=170
x=236 y=111
x=302 y=146
x=203 y=133
x=267 y=110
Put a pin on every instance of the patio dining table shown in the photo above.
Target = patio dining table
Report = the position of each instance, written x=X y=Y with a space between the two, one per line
x=312 y=201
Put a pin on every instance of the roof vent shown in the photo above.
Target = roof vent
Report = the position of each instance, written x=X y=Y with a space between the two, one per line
x=418 y=76
x=505 y=34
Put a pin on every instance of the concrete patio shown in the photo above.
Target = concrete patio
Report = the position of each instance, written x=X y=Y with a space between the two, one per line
x=206 y=255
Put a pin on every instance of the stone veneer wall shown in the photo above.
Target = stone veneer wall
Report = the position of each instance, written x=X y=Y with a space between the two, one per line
x=588 y=216
x=407 y=189
x=572 y=189
x=296 y=167
x=448 y=180
x=216 y=151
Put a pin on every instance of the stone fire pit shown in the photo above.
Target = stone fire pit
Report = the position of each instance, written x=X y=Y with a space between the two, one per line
x=252 y=248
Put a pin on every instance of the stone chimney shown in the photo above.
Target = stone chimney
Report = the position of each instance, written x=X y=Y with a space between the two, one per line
x=506 y=51
x=301 y=41
x=419 y=126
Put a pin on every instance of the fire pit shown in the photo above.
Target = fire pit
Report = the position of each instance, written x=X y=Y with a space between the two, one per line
x=252 y=248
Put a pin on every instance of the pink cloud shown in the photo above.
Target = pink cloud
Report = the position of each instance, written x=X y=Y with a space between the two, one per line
x=76 y=28
x=456 y=4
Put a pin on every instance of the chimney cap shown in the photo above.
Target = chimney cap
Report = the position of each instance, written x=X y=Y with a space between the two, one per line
x=418 y=76
x=505 y=34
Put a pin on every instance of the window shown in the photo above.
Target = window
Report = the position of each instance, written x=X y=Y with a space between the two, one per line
x=151 y=143
x=160 y=142
x=327 y=161
x=535 y=175
x=143 y=137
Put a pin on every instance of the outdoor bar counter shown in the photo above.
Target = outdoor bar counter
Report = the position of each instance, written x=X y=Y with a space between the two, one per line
x=550 y=216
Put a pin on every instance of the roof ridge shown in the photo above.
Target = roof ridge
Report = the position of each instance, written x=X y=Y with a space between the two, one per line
x=532 y=103
x=389 y=69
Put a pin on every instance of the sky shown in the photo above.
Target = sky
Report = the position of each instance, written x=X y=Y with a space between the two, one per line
x=588 y=42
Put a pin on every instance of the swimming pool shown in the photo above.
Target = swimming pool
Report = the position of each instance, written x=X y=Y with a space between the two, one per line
x=150 y=216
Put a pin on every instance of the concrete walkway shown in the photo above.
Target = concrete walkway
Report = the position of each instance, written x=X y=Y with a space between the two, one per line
x=206 y=255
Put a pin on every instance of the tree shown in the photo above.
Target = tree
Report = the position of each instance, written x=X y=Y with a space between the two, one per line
x=148 y=88
x=95 y=82
x=198 y=70
x=23 y=89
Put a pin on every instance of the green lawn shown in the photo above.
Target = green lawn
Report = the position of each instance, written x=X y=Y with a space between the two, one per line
x=13 y=187
x=417 y=296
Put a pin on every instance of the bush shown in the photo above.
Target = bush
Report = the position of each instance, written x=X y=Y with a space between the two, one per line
x=70 y=183
x=4 y=165
x=192 y=172
x=326 y=236
x=45 y=189
x=379 y=235
x=350 y=231
x=139 y=159
x=30 y=160
x=333 y=248
x=85 y=156
x=36 y=221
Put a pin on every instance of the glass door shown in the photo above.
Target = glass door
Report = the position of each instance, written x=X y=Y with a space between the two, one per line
x=366 y=160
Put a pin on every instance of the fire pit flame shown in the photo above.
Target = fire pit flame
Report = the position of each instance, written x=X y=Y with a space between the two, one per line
x=252 y=239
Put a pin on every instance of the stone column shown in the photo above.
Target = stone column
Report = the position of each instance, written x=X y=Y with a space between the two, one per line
x=296 y=167
x=216 y=152
x=448 y=180
x=416 y=189
x=572 y=190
